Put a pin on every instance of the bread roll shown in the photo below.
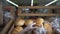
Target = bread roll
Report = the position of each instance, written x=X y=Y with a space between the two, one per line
x=16 y=30
x=28 y=22
x=48 y=28
x=39 y=21
x=20 y=22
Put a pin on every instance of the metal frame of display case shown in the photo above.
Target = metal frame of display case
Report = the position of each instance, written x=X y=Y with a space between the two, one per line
x=6 y=28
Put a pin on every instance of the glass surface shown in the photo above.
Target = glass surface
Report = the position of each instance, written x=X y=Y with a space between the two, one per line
x=35 y=2
x=22 y=2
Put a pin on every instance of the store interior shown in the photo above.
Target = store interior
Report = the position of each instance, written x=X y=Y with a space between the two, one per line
x=30 y=17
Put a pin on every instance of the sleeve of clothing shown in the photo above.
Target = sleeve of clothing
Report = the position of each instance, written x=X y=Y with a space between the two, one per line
x=41 y=30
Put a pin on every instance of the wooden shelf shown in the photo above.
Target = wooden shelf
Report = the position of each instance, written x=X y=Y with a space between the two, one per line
x=38 y=7
x=39 y=14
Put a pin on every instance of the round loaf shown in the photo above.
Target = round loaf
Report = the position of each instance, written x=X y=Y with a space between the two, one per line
x=16 y=30
x=39 y=21
x=20 y=22
x=48 y=28
x=28 y=22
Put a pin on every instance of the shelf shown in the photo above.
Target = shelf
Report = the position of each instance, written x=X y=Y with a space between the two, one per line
x=39 y=14
x=38 y=7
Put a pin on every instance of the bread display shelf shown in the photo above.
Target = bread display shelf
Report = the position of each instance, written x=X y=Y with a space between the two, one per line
x=38 y=7
x=39 y=14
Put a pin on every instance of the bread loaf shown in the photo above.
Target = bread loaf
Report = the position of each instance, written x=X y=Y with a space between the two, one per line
x=48 y=28
x=16 y=30
x=20 y=22
x=28 y=22
x=39 y=21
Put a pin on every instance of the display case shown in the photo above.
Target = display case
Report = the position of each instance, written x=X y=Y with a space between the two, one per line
x=19 y=13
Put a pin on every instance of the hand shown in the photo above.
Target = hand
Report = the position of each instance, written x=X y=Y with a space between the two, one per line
x=30 y=27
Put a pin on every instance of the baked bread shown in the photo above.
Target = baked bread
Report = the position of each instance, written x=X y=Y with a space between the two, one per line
x=39 y=21
x=16 y=30
x=20 y=22
x=28 y=22
x=48 y=28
